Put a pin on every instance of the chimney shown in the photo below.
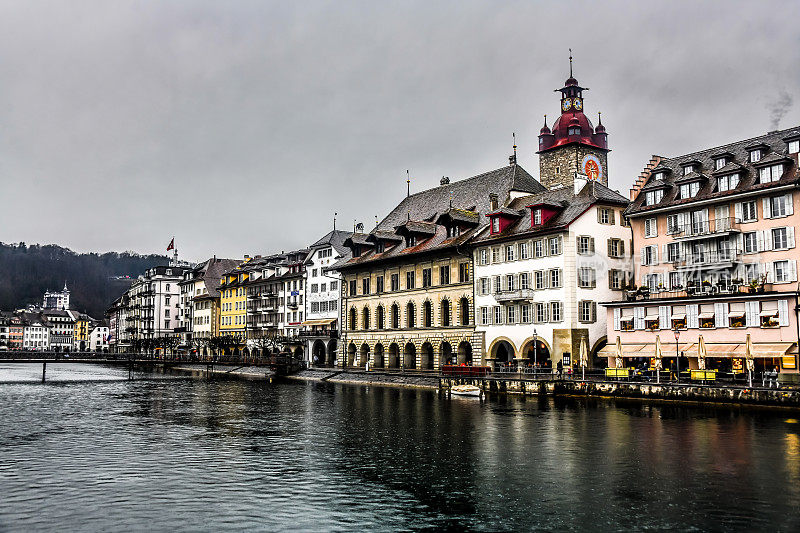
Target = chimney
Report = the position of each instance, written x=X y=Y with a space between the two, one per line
x=493 y=202
x=444 y=181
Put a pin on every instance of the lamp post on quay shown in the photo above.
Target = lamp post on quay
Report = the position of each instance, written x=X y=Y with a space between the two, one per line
x=535 y=347
x=677 y=356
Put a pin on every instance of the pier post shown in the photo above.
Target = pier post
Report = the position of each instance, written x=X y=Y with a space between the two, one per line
x=44 y=370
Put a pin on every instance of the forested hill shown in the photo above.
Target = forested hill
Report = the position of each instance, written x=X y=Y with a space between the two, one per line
x=26 y=272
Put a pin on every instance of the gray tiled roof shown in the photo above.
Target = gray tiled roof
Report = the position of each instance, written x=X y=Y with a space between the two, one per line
x=419 y=210
x=775 y=144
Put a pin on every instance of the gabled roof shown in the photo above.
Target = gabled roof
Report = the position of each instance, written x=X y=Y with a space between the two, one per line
x=417 y=212
x=573 y=206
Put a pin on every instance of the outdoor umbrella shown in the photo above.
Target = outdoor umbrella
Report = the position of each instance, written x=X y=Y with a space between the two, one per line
x=701 y=353
x=619 y=352
x=584 y=357
x=657 y=363
x=748 y=357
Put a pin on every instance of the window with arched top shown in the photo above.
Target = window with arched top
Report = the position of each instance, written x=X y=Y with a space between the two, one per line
x=427 y=315
x=464 y=311
x=395 y=316
x=365 y=318
x=352 y=319
x=445 y=313
x=411 y=316
x=380 y=319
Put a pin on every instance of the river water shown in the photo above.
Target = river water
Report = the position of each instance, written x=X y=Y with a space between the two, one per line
x=92 y=451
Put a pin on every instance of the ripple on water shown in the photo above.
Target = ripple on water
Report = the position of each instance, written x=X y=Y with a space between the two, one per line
x=222 y=455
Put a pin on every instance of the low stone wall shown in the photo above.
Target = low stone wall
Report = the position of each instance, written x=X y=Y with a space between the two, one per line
x=685 y=393
x=368 y=378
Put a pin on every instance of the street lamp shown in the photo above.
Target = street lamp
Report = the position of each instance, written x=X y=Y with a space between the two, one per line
x=677 y=357
x=535 y=347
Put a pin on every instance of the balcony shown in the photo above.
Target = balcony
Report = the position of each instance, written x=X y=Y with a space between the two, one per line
x=704 y=229
x=514 y=296
x=291 y=305
x=332 y=334
x=712 y=259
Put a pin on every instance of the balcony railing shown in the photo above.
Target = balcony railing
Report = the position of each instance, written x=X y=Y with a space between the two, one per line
x=332 y=334
x=704 y=228
x=710 y=258
x=515 y=295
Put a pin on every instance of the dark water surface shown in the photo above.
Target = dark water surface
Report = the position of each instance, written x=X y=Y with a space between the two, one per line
x=92 y=451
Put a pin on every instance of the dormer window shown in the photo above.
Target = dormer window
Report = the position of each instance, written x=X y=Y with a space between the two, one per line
x=495 y=224
x=575 y=130
x=688 y=169
x=770 y=173
x=653 y=197
x=379 y=247
x=720 y=162
x=794 y=146
x=411 y=240
x=755 y=155
x=537 y=216
x=727 y=183
x=689 y=190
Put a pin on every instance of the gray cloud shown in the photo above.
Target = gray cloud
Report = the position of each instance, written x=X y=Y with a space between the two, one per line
x=240 y=127
x=779 y=108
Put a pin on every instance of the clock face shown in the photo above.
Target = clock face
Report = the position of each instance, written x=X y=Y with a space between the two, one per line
x=577 y=104
x=592 y=167
x=566 y=104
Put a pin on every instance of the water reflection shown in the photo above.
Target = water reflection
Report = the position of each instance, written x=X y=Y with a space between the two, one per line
x=228 y=454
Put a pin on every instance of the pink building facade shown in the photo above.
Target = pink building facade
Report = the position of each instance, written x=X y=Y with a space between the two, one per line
x=714 y=234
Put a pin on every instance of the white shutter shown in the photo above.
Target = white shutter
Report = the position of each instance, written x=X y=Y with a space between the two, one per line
x=720 y=314
x=617 y=315
x=767 y=240
x=789 y=206
x=783 y=313
x=751 y=314
x=737 y=211
x=692 y=320
x=638 y=314
x=767 y=207
x=664 y=314
x=790 y=237
x=644 y=255
x=664 y=252
x=769 y=270
x=792 y=275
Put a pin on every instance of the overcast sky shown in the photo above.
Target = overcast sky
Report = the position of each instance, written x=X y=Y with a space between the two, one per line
x=241 y=127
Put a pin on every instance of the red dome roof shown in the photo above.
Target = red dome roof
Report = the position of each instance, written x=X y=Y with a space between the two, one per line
x=570 y=82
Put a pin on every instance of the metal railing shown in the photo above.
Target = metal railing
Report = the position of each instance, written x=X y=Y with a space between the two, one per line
x=705 y=258
x=701 y=228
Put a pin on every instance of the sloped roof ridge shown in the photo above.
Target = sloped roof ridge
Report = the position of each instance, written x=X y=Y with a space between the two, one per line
x=744 y=142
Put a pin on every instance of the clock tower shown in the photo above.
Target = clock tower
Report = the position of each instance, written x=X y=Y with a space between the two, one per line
x=574 y=146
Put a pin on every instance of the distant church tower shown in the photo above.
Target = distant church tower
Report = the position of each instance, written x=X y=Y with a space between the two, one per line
x=573 y=145
x=57 y=300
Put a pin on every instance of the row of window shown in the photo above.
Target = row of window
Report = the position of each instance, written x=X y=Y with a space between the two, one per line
x=411 y=321
x=524 y=250
x=704 y=316
x=410 y=280
x=784 y=271
x=324 y=306
x=536 y=313
x=323 y=287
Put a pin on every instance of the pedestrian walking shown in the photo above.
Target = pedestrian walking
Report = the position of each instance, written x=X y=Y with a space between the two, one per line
x=560 y=367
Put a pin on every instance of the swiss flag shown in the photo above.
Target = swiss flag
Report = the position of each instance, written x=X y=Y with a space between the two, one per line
x=171 y=245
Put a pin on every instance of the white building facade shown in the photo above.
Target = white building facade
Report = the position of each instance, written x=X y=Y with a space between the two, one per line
x=542 y=267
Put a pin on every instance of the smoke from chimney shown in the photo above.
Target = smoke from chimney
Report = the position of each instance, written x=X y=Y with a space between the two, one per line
x=779 y=108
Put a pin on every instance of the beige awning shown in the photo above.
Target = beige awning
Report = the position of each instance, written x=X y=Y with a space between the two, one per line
x=734 y=350
x=626 y=318
x=736 y=314
x=678 y=317
x=705 y=315
x=771 y=312
x=651 y=317
x=319 y=322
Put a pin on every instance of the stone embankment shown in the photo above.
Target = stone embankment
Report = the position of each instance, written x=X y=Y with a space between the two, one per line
x=250 y=372
x=368 y=378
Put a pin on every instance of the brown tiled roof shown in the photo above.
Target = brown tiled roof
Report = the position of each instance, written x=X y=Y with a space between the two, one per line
x=775 y=142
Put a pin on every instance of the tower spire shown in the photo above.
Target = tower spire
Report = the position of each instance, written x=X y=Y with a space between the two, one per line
x=513 y=159
x=408 y=183
x=570 y=62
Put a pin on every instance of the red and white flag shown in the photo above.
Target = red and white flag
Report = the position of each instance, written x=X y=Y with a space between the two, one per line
x=171 y=245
